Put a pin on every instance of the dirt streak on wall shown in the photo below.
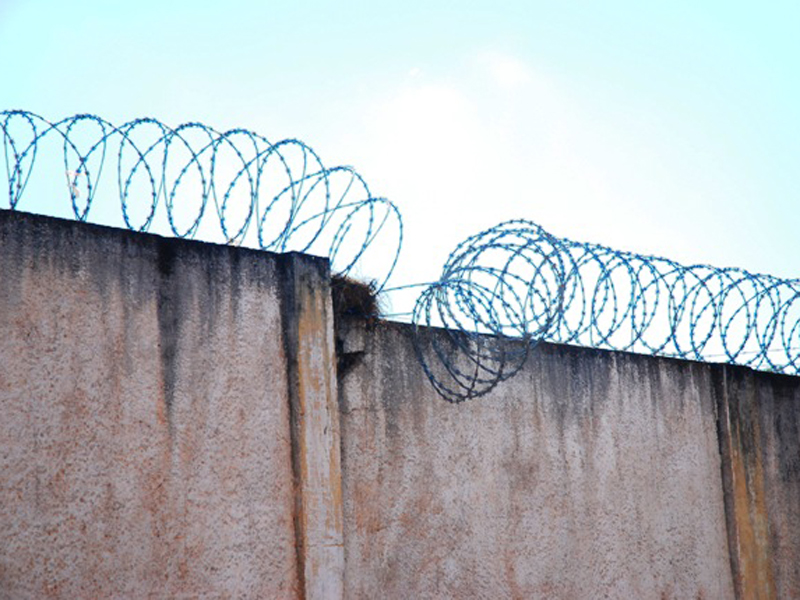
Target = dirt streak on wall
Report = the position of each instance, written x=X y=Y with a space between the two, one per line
x=590 y=474
x=760 y=446
x=144 y=428
x=172 y=423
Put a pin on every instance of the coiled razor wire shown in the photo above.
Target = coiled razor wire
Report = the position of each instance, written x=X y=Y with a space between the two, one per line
x=194 y=182
x=506 y=289
x=501 y=292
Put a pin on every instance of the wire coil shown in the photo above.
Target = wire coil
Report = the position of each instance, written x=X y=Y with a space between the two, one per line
x=506 y=289
x=501 y=291
x=192 y=181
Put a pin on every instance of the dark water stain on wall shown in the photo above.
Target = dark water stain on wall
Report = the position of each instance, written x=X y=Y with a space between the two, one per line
x=169 y=321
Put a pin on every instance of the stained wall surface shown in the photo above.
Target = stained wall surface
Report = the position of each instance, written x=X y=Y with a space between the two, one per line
x=778 y=409
x=144 y=446
x=169 y=428
x=760 y=445
x=589 y=475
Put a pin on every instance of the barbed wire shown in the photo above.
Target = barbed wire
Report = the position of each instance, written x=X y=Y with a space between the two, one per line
x=500 y=293
x=506 y=289
x=192 y=181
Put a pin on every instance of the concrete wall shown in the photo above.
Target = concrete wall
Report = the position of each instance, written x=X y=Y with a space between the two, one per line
x=144 y=428
x=760 y=446
x=172 y=424
x=589 y=475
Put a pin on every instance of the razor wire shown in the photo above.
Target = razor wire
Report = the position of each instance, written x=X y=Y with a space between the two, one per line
x=508 y=288
x=501 y=292
x=192 y=181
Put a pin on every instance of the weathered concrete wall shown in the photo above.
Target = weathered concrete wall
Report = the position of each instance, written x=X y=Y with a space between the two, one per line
x=760 y=445
x=311 y=365
x=777 y=402
x=144 y=417
x=172 y=425
x=589 y=475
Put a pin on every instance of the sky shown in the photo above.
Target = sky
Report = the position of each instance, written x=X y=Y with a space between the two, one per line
x=663 y=128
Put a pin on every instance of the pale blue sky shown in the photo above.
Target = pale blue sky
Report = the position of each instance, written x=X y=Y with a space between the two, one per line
x=665 y=128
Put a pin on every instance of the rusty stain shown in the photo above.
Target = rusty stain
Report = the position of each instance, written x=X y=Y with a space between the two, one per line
x=319 y=508
x=750 y=513
x=754 y=577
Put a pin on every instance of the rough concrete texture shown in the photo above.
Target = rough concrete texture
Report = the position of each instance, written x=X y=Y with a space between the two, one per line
x=144 y=446
x=589 y=475
x=311 y=362
x=760 y=445
x=168 y=429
